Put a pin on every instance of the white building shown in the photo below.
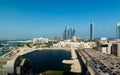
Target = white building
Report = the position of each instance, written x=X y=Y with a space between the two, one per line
x=69 y=44
x=40 y=40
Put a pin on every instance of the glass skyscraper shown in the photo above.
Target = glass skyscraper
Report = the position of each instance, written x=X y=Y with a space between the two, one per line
x=68 y=33
x=73 y=32
x=118 y=31
x=91 y=31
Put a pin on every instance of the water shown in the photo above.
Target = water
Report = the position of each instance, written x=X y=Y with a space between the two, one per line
x=5 y=48
x=43 y=60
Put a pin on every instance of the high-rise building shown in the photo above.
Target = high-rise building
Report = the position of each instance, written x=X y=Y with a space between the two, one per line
x=64 y=34
x=68 y=33
x=118 y=31
x=91 y=31
x=73 y=32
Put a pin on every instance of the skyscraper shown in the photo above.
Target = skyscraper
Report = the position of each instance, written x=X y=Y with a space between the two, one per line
x=68 y=33
x=64 y=34
x=73 y=32
x=91 y=31
x=118 y=31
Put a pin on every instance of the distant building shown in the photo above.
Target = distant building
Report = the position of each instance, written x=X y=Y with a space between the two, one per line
x=73 y=33
x=56 y=38
x=68 y=33
x=118 y=31
x=91 y=31
x=74 y=38
x=63 y=36
x=103 y=40
x=40 y=40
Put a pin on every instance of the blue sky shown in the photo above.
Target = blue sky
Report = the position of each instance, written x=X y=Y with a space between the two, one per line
x=47 y=18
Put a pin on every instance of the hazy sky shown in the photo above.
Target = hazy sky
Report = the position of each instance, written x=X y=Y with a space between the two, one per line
x=45 y=18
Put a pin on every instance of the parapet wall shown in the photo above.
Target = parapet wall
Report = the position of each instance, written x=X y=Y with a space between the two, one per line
x=86 y=61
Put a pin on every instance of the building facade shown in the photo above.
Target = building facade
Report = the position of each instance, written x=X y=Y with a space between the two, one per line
x=109 y=47
x=115 y=49
x=40 y=40
x=73 y=33
x=105 y=48
x=68 y=33
x=91 y=31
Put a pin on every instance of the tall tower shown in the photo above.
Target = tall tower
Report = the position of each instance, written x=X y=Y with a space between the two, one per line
x=118 y=31
x=64 y=35
x=68 y=33
x=91 y=31
x=73 y=32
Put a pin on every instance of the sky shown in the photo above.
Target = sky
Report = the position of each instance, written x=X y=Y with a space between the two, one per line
x=47 y=18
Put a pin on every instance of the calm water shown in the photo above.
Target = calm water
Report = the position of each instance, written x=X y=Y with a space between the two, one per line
x=43 y=60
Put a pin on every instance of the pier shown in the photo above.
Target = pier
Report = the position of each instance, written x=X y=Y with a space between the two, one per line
x=74 y=62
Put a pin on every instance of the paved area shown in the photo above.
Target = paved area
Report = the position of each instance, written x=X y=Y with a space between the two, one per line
x=103 y=64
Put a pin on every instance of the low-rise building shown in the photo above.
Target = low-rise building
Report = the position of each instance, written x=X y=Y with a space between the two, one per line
x=40 y=40
x=109 y=47
x=74 y=38
x=105 y=48
x=69 y=44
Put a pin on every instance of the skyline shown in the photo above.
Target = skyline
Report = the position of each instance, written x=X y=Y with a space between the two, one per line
x=47 y=18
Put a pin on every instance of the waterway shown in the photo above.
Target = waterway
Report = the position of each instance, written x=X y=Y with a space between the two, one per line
x=45 y=60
